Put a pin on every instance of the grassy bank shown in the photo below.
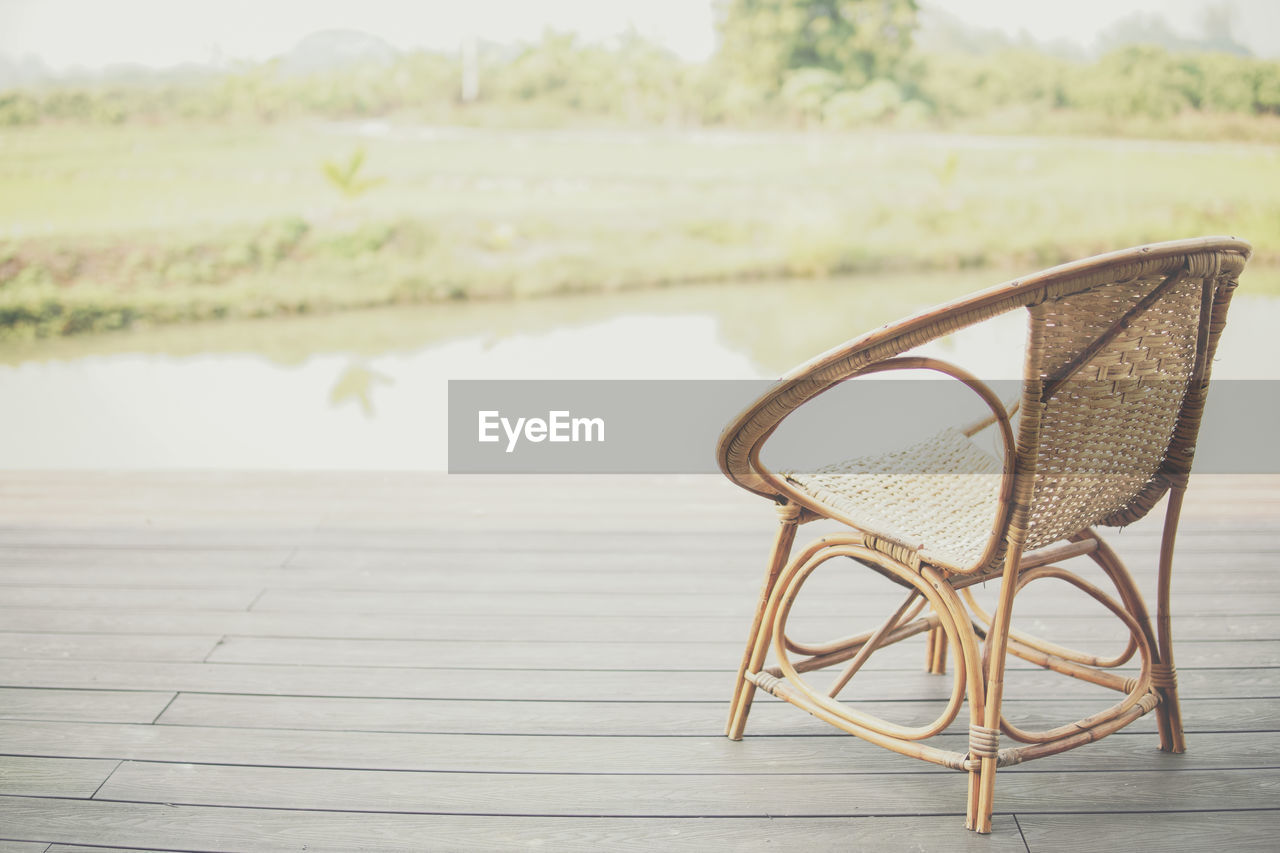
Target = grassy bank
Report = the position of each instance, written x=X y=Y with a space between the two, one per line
x=106 y=227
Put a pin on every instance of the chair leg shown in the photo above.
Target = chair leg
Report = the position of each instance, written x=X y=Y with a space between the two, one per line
x=1168 y=714
x=1163 y=677
x=761 y=633
x=996 y=652
x=936 y=652
x=975 y=796
x=1169 y=718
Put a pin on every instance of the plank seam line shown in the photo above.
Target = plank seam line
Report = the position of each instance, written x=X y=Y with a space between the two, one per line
x=166 y=707
x=217 y=644
x=827 y=774
x=119 y=764
x=833 y=774
x=709 y=735
x=618 y=670
x=402 y=698
x=624 y=816
x=533 y=815
x=661 y=617
x=1021 y=834
x=360 y=697
x=440 y=548
x=1244 y=810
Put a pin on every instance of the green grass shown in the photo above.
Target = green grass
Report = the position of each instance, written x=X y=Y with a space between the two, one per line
x=104 y=228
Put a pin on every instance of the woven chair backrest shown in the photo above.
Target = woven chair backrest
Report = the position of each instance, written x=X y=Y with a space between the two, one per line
x=1115 y=375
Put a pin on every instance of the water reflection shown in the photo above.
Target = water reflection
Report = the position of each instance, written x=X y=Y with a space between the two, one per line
x=777 y=323
x=356 y=384
x=368 y=390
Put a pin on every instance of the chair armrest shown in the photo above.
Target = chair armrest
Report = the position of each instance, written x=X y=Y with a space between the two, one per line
x=779 y=488
x=737 y=452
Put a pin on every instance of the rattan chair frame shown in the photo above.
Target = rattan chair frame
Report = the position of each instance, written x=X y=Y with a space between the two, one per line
x=954 y=620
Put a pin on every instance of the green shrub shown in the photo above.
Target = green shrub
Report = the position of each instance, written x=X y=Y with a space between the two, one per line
x=877 y=101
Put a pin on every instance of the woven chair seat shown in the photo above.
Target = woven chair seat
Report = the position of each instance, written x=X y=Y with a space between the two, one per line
x=933 y=500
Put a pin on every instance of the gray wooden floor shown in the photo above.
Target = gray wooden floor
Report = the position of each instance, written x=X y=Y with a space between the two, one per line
x=314 y=662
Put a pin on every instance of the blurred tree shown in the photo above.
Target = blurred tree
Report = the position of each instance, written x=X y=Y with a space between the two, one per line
x=874 y=102
x=805 y=90
x=856 y=40
x=1139 y=81
x=545 y=70
x=1224 y=83
x=958 y=85
x=1267 y=88
x=18 y=108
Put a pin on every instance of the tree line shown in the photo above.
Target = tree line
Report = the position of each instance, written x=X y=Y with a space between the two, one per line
x=781 y=63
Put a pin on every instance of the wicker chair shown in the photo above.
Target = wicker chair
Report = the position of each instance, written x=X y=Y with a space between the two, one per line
x=1115 y=378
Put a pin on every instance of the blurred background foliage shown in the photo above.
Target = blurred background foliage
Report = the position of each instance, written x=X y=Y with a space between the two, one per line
x=781 y=63
x=824 y=137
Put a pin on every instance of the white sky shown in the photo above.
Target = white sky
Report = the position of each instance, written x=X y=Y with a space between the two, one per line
x=94 y=33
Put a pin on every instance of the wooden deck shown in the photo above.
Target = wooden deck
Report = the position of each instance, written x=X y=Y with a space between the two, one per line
x=313 y=662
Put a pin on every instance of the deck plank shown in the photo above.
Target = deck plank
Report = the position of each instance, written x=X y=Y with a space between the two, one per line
x=1167 y=831
x=547 y=684
x=33 y=645
x=100 y=706
x=53 y=777
x=483 y=571
x=666 y=795
x=572 y=754
x=77 y=848
x=236 y=830
x=527 y=627
x=111 y=598
x=634 y=606
x=674 y=719
x=7 y=846
x=290 y=651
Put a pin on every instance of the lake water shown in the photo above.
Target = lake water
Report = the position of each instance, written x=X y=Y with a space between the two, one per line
x=367 y=390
